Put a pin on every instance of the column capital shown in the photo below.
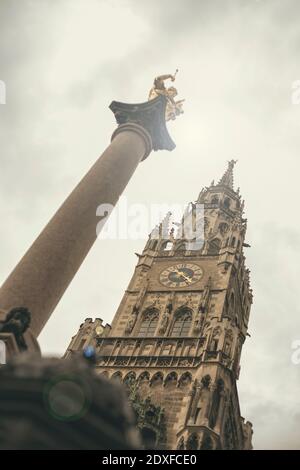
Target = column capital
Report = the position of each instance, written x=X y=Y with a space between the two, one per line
x=149 y=115
x=141 y=131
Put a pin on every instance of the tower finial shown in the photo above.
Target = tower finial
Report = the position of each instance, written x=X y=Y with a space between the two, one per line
x=227 y=178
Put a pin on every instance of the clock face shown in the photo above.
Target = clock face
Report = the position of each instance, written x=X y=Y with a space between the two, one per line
x=181 y=275
x=99 y=330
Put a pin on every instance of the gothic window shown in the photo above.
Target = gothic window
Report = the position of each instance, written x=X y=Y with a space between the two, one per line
x=214 y=246
x=117 y=376
x=171 y=379
x=207 y=443
x=206 y=381
x=215 y=200
x=129 y=379
x=182 y=323
x=167 y=246
x=227 y=202
x=192 y=442
x=149 y=323
x=144 y=377
x=157 y=379
x=233 y=242
x=185 y=379
x=223 y=227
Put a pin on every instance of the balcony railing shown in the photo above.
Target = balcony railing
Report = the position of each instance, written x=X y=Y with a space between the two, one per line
x=150 y=352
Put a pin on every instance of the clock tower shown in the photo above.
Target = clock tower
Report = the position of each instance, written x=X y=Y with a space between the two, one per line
x=177 y=336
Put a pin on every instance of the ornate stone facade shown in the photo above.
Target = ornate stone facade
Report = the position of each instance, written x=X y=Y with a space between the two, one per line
x=181 y=325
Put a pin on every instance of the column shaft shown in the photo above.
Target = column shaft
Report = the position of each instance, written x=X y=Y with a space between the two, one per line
x=44 y=273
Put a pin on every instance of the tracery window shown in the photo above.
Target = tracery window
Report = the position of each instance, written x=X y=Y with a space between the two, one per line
x=182 y=323
x=149 y=323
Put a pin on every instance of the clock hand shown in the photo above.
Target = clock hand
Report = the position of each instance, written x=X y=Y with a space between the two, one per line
x=186 y=278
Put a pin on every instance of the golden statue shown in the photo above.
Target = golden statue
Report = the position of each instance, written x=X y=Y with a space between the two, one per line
x=174 y=108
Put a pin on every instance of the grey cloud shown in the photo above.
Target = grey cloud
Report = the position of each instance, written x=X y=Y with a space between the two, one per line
x=237 y=61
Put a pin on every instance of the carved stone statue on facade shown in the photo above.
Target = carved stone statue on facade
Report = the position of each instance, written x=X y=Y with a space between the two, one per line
x=174 y=108
x=17 y=322
x=166 y=318
x=203 y=306
x=200 y=393
x=131 y=322
x=164 y=322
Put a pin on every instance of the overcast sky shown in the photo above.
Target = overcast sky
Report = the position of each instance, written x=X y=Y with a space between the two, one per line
x=63 y=62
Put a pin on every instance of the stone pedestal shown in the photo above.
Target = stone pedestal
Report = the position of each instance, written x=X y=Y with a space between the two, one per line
x=44 y=273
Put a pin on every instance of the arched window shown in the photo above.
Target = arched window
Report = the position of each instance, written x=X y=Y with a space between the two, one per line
x=157 y=379
x=149 y=323
x=215 y=200
x=167 y=246
x=233 y=242
x=227 y=203
x=144 y=377
x=171 y=379
x=192 y=442
x=223 y=227
x=185 y=379
x=182 y=323
x=207 y=443
x=214 y=246
x=129 y=379
x=117 y=376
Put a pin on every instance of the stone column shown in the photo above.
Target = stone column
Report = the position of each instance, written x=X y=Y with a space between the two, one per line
x=44 y=273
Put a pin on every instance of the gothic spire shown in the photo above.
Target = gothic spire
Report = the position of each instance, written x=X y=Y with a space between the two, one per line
x=227 y=178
